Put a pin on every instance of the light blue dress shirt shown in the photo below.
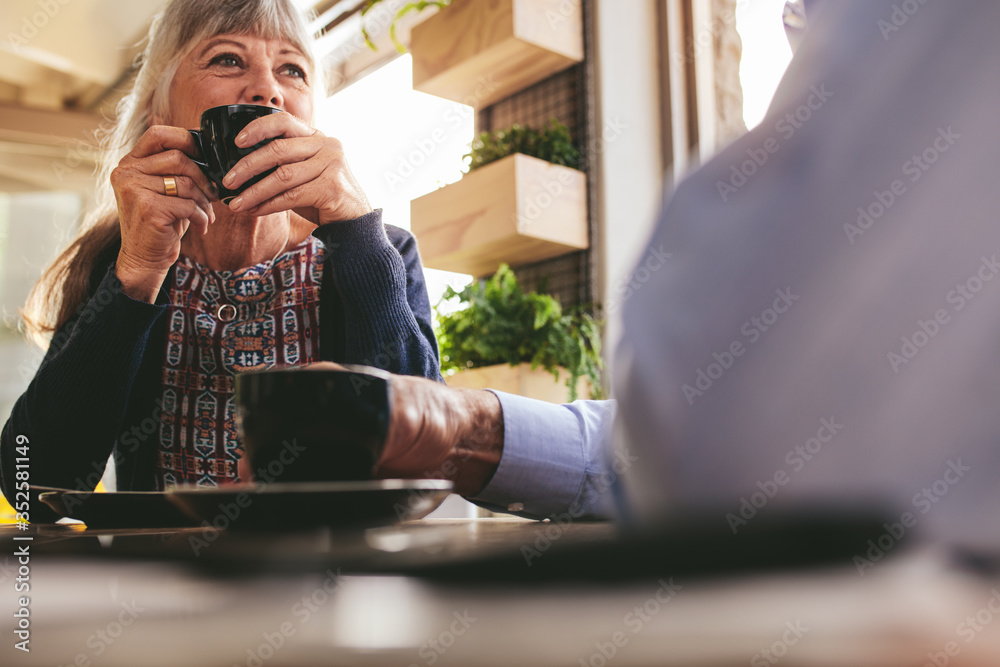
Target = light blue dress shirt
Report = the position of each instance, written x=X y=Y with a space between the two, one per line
x=556 y=460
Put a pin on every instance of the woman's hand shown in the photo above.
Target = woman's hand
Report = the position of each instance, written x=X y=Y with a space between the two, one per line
x=153 y=222
x=312 y=176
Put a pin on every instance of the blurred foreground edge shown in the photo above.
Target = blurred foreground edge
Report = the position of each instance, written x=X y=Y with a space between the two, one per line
x=695 y=546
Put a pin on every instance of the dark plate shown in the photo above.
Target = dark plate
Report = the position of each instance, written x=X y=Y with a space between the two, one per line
x=313 y=504
x=126 y=509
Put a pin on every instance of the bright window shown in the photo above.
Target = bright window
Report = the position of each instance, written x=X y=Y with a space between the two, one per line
x=401 y=144
x=766 y=54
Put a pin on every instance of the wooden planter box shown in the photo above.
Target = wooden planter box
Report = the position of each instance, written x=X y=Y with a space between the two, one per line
x=480 y=51
x=517 y=210
x=520 y=380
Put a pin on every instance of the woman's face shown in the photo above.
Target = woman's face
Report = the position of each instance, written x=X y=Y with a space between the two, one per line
x=239 y=69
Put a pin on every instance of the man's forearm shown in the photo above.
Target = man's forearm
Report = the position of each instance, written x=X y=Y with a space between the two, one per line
x=479 y=447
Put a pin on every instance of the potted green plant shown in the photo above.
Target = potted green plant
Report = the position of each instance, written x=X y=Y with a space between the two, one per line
x=523 y=200
x=552 y=144
x=498 y=326
x=418 y=6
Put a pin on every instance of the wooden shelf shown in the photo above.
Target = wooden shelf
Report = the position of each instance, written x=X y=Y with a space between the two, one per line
x=520 y=380
x=517 y=210
x=480 y=51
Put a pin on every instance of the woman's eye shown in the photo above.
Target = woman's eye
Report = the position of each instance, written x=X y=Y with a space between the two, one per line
x=226 y=60
x=295 y=70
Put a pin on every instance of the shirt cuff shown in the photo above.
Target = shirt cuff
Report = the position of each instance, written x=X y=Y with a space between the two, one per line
x=542 y=469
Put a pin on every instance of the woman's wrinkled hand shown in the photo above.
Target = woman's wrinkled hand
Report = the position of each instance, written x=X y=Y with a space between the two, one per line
x=312 y=176
x=152 y=222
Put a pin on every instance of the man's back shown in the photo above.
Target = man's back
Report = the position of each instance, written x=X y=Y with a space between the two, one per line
x=829 y=325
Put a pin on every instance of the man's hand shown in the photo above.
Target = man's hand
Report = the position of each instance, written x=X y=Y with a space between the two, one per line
x=435 y=432
x=445 y=433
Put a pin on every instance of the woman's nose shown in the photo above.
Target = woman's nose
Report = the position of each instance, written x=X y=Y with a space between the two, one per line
x=264 y=89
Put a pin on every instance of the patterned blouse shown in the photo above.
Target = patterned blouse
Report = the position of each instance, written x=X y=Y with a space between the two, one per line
x=276 y=324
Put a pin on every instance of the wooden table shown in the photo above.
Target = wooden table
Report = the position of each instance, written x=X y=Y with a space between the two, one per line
x=384 y=597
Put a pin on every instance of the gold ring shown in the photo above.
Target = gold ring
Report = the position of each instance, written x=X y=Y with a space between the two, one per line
x=170 y=186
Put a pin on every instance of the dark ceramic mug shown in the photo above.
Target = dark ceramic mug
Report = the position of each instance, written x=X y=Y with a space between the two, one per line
x=300 y=425
x=216 y=142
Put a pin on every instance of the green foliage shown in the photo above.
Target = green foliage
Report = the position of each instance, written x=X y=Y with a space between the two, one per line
x=552 y=144
x=419 y=6
x=501 y=324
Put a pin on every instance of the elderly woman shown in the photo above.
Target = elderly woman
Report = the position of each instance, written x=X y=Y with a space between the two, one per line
x=143 y=347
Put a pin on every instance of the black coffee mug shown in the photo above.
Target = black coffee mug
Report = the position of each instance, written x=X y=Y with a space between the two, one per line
x=299 y=425
x=216 y=142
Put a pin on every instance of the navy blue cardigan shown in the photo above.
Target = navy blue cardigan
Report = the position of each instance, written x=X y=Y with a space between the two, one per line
x=97 y=390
